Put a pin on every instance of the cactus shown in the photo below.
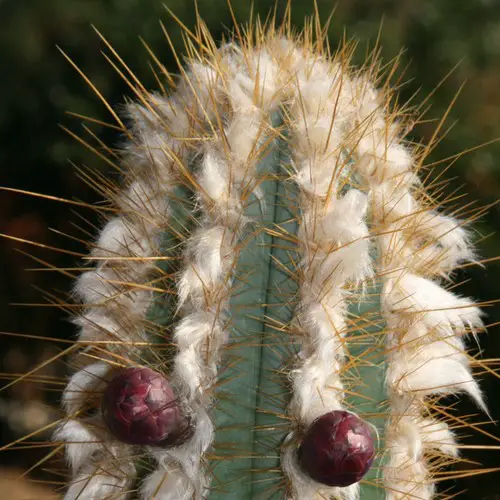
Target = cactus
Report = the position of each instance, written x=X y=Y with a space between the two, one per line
x=275 y=256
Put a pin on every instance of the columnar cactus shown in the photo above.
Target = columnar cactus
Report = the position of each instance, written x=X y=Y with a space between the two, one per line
x=272 y=291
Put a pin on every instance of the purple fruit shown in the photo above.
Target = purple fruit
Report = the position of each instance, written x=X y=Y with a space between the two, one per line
x=337 y=449
x=140 y=407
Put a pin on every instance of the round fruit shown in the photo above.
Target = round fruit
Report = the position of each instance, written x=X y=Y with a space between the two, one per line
x=337 y=449
x=140 y=407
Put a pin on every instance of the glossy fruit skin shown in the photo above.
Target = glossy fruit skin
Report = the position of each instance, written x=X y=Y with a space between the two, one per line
x=337 y=449
x=140 y=407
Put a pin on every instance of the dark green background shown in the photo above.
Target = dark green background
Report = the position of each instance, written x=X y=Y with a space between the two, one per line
x=37 y=87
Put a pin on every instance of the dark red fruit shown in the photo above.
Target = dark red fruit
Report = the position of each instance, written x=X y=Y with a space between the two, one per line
x=338 y=449
x=140 y=407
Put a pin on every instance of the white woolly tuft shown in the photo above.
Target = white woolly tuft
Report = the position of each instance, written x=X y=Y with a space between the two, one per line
x=209 y=254
x=83 y=384
x=406 y=475
x=437 y=435
x=304 y=486
x=179 y=467
x=82 y=441
x=166 y=484
x=97 y=325
x=108 y=475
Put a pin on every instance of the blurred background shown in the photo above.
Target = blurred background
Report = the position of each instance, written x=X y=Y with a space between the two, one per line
x=38 y=86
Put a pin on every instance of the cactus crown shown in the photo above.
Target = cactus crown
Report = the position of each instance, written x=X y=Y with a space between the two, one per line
x=274 y=254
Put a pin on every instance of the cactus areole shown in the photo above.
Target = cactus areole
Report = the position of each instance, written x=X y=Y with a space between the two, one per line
x=337 y=449
x=140 y=407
